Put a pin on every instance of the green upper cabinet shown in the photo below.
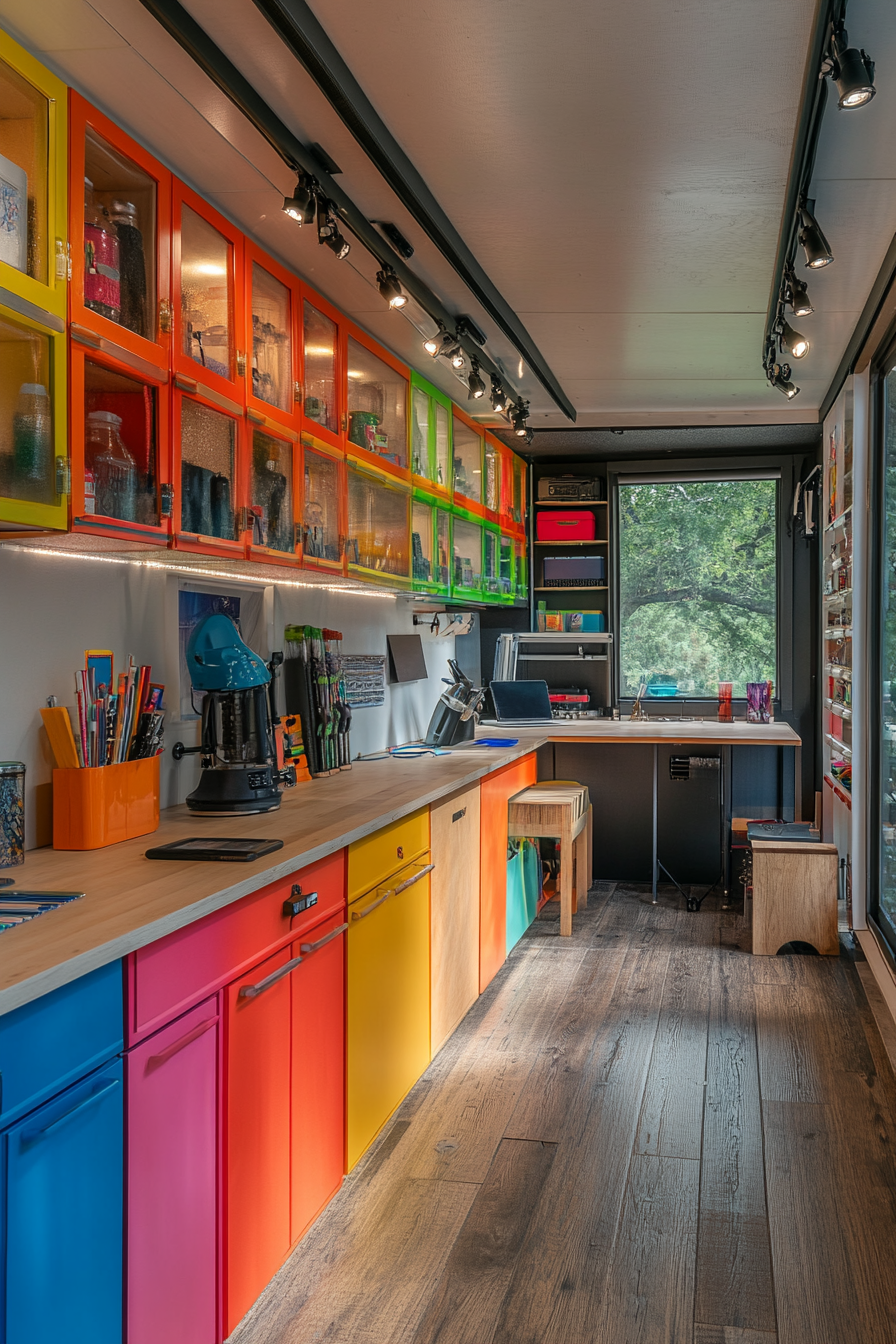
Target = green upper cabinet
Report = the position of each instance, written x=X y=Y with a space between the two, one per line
x=430 y=544
x=430 y=438
x=33 y=152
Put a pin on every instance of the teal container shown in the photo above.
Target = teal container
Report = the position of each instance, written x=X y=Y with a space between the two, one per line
x=523 y=888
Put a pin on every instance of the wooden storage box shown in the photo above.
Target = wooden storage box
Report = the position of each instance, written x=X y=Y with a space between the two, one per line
x=101 y=805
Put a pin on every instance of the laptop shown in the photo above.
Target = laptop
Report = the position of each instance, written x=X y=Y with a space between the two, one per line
x=520 y=703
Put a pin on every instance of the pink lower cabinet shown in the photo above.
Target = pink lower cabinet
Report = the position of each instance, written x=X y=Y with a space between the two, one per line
x=172 y=1181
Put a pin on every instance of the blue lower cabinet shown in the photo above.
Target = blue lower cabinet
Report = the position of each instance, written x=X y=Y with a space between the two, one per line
x=523 y=888
x=64 y=1167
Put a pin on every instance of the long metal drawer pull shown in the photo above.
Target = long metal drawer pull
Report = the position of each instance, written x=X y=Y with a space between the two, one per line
x=250 y=991
x=187 y=1039
x=30 y=1135
x=308 y=948
x=393 y=891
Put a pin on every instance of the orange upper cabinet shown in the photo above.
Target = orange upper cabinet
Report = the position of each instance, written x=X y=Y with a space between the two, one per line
x=273 y=304
x=208 y=295
x=323 y=382
x=513 y=490
x=120 y=213
x=376 y=404
x=274 y=481
x=209 y=469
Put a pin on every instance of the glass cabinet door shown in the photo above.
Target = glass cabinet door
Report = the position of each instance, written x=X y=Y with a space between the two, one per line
x=490 y=562
x=505 y=568
x=33 y=151
x=443 y=446
x=521 y=567
x=378 y=540
x=422 y=544
x=271 y=382
x=271 y=493
x=321 y=512
x=377 y=407
x=208 y=465
x=443 y=549
x=467 y=461
x=518 y=512
x=321 y=389
x=33 y=448
x=421 y=454
x=466 y=578
x=492 y=477
x=208 y=303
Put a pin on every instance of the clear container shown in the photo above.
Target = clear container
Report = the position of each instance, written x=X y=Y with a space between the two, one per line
x=132 y=267
x=33 y=459
x=12 y=813
x=271 y=511
x=114 y=469
x=102 y=265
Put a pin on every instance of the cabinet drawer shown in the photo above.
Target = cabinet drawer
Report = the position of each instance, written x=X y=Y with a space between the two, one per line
x=48 y=1044
x=376 y=856
x=170 y=975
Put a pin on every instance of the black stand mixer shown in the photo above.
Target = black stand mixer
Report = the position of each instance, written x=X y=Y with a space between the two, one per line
x=455 y=716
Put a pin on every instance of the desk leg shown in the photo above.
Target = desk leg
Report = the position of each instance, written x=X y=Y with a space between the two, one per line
x=566 y=879
x=655 y=860
x=798 y=782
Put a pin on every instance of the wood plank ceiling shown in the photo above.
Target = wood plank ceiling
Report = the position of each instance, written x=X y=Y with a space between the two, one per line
x=618 y=171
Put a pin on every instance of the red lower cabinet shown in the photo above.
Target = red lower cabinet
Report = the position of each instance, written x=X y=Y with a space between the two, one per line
x=172 y=1182
x=257 y=1129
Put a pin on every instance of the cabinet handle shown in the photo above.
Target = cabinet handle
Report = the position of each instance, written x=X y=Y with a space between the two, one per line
x=84 y=335
x=31 y=1134
x=187 y=1039
x=308 y=948
x=251 y=991
x=393 y=891
x=185 y=384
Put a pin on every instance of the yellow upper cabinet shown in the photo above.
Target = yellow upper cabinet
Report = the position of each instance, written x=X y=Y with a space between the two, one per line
x=33 y=152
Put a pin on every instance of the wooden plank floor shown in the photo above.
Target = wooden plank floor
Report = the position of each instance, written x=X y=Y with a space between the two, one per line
x=638 y=1135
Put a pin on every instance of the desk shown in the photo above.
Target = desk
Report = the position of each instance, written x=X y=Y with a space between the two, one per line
x=697 y=732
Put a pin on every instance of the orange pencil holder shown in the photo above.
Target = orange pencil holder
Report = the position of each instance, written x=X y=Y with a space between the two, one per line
x=99 y=806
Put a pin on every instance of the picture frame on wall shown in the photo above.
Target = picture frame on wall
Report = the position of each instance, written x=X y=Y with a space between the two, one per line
x=13 y=214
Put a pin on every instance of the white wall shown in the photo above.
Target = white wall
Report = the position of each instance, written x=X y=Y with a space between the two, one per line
x=53 y=607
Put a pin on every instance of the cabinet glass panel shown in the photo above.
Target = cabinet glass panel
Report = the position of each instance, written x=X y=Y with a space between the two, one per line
x=443 y=547
x=271 y=510
x=24 y=166
x=443 y=446
x=321 y=512
x=467 y=555
x=505 y=566
x=421 y=464
x=377 y=525
x=27 y=449
x=377 y=406
x=492 y=477
x=490 y=562
x=206 y=294
x=522 y=568
x=422 y=542
x=519 y=490
x=121 y=468
x=467 y=461
x=321 y=404
x=208 y=450
x=120 y=223
x=272 y=379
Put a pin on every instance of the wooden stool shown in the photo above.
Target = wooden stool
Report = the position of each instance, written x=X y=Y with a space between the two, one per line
x=794 y=896
x=559 y=809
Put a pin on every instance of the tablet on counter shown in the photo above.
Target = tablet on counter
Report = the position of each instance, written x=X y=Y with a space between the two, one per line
x=209 y=850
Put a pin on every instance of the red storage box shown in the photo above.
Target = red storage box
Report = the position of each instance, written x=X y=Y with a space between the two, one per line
x=560 y=525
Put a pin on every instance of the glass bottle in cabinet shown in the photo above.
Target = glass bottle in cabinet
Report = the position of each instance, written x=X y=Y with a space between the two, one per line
x=207 y=318
x=321 y=403
x=377 y=406
x=207 y=474
x=490 y=562
x=271 y=511
x=466 y=544
x=378 y=539
x=321 y=531
x=33 y=148
x=271 y=363
x=121 y=458
x=467 y=461
x=33 y=488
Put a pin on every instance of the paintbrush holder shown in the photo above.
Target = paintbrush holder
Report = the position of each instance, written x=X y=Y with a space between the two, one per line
x=102 y=805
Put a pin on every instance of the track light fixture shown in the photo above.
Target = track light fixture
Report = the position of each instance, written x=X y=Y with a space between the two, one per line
x=300 y=205
x=812 y=240
x=389 y=287
x=455 y=354
x=518 y=416
x=851 y=69
x=467 y=327
x=796 y=293
x=779 y=376
x=500 y=399
x=791 y=340
x=328 y=231
x=438 y=344
x=475 y=382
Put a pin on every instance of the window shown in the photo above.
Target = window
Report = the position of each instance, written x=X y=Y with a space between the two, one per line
x=697 y=584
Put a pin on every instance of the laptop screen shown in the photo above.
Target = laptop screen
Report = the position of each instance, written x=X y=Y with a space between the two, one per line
x=521 y=699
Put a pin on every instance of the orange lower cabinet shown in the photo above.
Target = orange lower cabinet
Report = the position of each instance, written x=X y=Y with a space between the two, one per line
x=257 y=1174
x=495 y=790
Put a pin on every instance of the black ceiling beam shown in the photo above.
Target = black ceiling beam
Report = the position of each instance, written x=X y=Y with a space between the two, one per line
x=300 y=158
x=306 y=39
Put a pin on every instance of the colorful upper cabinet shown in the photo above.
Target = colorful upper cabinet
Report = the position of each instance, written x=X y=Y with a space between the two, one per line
x=323 y=391
x=468 y=449
x=378 y=541
x=34 y=471
x=120 y=227
x=33 y=151
x=430 y=438
x=208 y=298
x=323 y=506
x=376 y=404
x=274 y=492
x=273 y=306
x=430 y=544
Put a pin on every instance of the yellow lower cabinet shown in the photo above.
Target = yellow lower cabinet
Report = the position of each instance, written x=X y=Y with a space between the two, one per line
x=388 y=1034
x=454 y=910
x=371 y=860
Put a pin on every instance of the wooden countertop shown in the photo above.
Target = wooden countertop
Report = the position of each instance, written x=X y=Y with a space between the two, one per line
x=130 y=900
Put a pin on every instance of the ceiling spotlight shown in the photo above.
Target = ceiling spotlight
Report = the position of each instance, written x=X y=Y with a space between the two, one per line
x=467 y=327
x=529 y=436
x=796 y=293
x=387 y=284
x=792 y=340
x=300 y=205
x=518 y=416
x=812 y=240
x=779 y=377
x=455 y=354
x=500 y=399
x=475 y=382
x=328 y=232
x=852 y=71
x=434 y=345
